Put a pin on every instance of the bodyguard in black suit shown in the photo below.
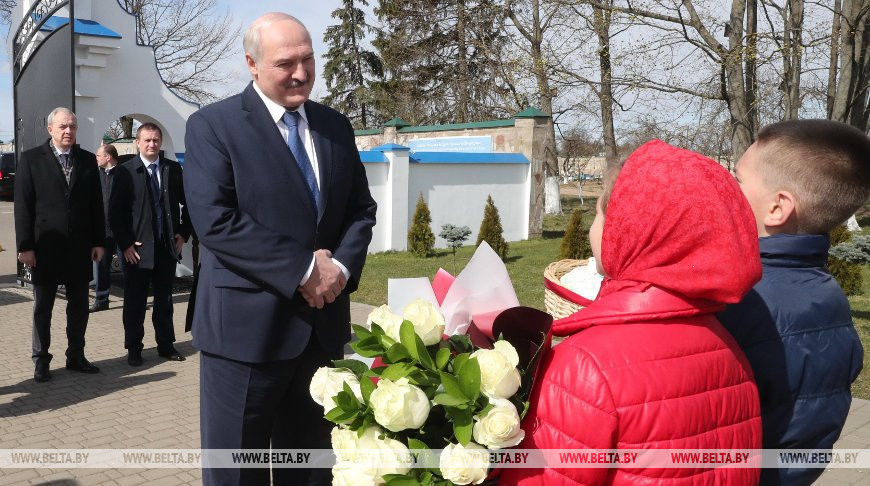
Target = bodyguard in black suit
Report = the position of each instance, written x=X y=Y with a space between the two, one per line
x=59 y=230
x=149 y=219
x=107 y=160
x=281 y=205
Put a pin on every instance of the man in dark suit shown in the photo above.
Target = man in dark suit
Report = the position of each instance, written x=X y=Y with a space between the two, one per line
x=59 y=229
x=281 y=205
x=149 y=219
x=107 y=159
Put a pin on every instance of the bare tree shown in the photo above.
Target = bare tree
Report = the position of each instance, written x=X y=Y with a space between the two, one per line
x=850 y=101
x=736 y=60
x=6 y=7
x=577 y=152
x=532 y=19
x=190 y=39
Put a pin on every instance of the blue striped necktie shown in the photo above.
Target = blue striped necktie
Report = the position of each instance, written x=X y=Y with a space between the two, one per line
x=297 y=148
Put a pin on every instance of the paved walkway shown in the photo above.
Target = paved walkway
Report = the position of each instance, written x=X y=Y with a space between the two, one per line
x=155 y=406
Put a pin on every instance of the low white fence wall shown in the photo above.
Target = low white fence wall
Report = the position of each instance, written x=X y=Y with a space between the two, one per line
x=455 y=185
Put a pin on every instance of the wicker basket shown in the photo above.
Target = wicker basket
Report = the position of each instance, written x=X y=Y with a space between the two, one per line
x=567 y=303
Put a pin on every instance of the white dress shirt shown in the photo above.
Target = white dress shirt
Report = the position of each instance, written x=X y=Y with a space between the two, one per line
x=148 y=164
x=277 y=111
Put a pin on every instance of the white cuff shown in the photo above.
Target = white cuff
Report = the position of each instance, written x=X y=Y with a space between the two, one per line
x=344 y=269
x=308 y=273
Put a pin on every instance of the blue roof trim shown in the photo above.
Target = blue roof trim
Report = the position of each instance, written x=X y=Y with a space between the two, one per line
x=468 y=158
x=390 y=146
x=373 y=157
x=82 y=27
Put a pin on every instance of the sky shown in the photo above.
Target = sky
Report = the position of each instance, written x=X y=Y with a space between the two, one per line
x=314 y=14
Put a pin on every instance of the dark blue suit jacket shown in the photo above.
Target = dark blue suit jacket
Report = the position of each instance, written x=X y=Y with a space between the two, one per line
x=258 y=228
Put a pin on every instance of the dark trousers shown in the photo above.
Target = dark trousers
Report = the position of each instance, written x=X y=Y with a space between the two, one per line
x=136 y=283
x=103 y=272
x=258 y=405
x=76 y=318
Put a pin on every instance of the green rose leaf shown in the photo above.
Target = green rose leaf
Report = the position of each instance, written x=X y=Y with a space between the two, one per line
x=400 y=480
x=346 y=400
x=452 y=387
x=460 y=343
x=458 y=361
x=424 y=378
x=366 y=386
x=417 y=444
x=407 y=337
x=462 y=424
x=360 y=332
x=423 y=352
x=339 y=416
x=442 y=357
x=386 y=341
x=368 y=347
x=377 y=330
x=469 y=378
x=449 y=400
x=396 y=371
x=357 y=367
x=398 y=352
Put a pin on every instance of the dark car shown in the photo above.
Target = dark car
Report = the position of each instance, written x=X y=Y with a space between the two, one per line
x=7 y=175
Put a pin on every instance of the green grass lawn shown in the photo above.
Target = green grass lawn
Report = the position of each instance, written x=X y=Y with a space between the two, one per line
x=526 y=262
x=861 y=315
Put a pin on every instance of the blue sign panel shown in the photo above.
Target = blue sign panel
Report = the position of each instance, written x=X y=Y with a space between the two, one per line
x=451 y=144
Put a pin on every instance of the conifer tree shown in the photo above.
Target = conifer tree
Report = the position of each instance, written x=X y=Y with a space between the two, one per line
x=575 y=243
x=351 y=69
x=442 y=60
x=491 y=230
x=848 y=274
x=421 y=240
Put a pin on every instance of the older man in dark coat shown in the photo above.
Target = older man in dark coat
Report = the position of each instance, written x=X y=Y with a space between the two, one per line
x=60 y=229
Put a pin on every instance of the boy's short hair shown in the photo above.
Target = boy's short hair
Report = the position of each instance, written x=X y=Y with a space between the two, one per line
x=823 y=163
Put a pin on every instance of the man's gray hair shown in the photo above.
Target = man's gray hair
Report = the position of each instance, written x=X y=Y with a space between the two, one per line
x=251 y=40
x=59 y=109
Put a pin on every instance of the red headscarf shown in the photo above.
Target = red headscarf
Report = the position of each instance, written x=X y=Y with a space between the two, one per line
x=677 y=220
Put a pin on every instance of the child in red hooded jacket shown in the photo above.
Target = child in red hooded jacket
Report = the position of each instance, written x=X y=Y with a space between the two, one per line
x=647 y=365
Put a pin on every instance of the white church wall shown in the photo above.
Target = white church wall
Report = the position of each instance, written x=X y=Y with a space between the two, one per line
x=121 y=80
x=456 y=194
x=377 y=173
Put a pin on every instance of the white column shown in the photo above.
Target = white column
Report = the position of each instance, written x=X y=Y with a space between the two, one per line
x=397 y=189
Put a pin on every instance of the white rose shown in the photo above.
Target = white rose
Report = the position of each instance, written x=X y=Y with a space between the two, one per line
x=499 y=376
x=383 y=316
x=370 y=455
x=427 y=320
x=395 y=458
x=344 y=443
x=399 y=405
x=327 y=382
x=464 y=465
x=500 y=427
x=350 y=474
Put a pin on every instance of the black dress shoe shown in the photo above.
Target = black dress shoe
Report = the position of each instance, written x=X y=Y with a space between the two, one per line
x=42 y=373
x=99 y=306
x=134 y=358
x=172 y=355
x=81 y=365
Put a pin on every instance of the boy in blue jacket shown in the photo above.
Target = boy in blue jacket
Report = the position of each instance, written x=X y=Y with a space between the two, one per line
x=802 y=178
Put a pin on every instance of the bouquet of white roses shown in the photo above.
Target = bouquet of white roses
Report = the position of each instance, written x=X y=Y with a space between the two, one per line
x=430 y=393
